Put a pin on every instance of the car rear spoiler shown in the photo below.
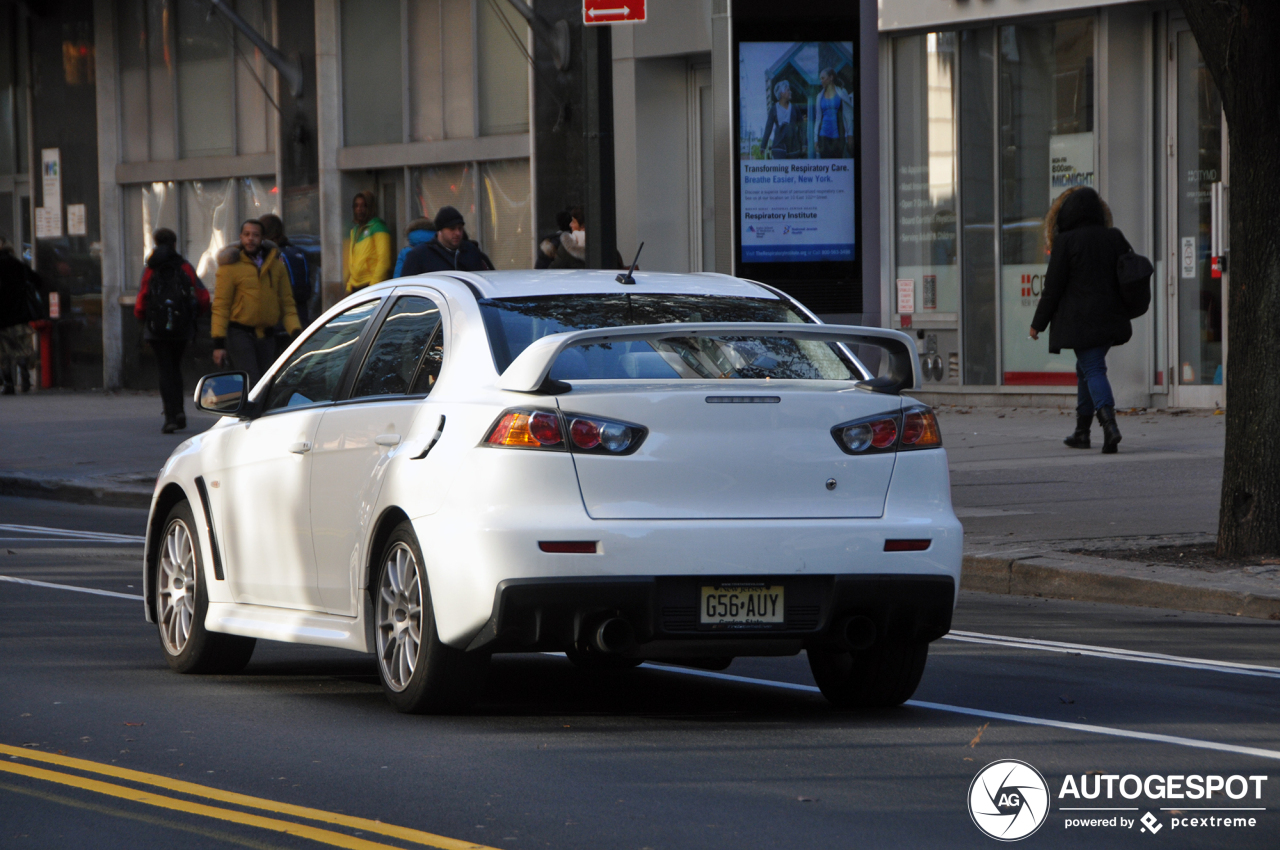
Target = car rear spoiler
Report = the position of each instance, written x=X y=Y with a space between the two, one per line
x=529 y=372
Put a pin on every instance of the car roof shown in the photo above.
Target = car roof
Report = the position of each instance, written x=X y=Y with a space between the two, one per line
x=514 y=284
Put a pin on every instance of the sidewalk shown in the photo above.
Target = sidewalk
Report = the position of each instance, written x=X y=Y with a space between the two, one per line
x=1026 y=501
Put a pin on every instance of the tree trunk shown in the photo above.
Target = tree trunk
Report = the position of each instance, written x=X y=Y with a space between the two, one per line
x=1238 y=39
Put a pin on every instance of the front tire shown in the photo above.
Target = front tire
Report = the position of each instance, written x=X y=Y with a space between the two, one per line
x=182 y=604
x=420 y=673
x=884 y=675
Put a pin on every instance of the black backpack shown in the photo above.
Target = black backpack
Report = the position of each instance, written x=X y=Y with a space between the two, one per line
x=1134 y=271
x=171 y=302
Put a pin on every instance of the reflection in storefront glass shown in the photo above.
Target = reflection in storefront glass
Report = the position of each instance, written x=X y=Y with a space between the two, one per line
x=1199 y=167
x=1046 y=137
x=928 y=280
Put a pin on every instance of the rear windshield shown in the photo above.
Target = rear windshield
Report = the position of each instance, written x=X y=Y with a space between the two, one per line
x=513 y=324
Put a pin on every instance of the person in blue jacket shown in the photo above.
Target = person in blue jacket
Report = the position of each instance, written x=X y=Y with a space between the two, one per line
x=295 y=265
x=420 y=232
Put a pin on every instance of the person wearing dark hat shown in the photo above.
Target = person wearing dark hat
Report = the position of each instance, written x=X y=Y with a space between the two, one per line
x=451 y=250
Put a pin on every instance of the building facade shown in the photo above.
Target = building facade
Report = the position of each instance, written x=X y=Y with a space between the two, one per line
x=157 y=113
x=989 y=111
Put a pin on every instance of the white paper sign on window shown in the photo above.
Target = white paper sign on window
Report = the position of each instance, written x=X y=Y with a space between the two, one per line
x=906 y=295
x=1070 y=162
x=76 y=220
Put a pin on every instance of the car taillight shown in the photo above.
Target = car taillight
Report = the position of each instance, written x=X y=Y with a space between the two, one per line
x=920 y=429
x=544 y=429
x=527 y=429
x=914 y=428
x=602 y=436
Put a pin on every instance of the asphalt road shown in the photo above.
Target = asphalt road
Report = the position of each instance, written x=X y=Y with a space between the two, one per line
x=98 y=737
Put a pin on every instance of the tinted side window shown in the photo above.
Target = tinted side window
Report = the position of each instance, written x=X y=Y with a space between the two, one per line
x=399 y=346
x=313 y=372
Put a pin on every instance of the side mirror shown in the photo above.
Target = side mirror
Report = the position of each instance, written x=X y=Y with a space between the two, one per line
x=224 y=393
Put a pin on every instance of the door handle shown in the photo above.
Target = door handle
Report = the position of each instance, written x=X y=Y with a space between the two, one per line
x=300 y=448
x=387 y=439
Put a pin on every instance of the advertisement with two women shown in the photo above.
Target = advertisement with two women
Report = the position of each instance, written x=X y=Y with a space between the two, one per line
x=796 y=137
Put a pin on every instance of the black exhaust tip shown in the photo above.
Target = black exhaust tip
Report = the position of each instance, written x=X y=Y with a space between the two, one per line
x=614 y=635
x=856 y=633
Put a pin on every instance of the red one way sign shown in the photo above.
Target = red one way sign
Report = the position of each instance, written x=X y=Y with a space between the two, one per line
x=612 y=11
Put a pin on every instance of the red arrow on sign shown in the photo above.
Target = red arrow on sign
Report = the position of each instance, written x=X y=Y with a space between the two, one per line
x=613 y=11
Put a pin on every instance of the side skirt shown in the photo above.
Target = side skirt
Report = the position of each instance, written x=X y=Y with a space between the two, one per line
x=289 y=626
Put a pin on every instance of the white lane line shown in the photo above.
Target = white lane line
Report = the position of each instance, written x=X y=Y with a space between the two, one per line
x=94 y=591
x=1118 y=654
x=999 y=715
x=102 y=536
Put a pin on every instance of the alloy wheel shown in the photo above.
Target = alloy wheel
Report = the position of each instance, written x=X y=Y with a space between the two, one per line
x=399 y=617
x=176 y=587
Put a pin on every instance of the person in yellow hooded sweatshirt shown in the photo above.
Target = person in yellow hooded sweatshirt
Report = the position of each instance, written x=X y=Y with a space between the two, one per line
x=251 y=296
x=366 y=252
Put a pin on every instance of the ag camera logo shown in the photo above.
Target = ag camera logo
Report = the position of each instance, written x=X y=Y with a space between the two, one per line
x=1008 y=800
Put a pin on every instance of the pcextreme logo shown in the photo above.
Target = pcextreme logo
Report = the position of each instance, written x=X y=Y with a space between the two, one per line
x=1009 y=800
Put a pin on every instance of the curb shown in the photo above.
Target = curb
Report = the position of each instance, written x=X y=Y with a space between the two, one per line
x=107 y=495
x=1035 y=577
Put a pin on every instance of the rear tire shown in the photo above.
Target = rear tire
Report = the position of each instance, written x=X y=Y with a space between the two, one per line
x=182 y=603
x=882 y=676
x=420 y=674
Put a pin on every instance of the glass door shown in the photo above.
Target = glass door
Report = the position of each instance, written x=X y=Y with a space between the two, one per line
x=1198 y=315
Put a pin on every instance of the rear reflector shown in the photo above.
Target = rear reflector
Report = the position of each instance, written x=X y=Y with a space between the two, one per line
x=570 y=547
x=906 y=545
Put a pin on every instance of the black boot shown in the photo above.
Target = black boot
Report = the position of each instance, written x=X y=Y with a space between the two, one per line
x=1080 y=439
x=1110 y=430
x=24 y=375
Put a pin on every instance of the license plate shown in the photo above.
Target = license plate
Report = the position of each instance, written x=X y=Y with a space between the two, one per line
x=742 y=604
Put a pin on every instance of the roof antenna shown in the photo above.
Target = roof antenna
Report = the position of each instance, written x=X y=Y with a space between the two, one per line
x=626 y=279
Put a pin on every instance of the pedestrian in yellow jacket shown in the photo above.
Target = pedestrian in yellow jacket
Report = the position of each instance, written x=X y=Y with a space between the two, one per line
x=251 y=296
x=366 y=252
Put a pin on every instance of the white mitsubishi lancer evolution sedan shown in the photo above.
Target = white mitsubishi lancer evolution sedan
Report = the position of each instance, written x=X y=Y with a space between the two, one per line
x=672 y=468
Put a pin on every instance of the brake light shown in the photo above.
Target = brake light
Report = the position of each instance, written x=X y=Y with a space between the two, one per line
x=525 y=429
x=914 y=428
x=603 y=436
x=883 y=433
x=584 y=433
x=544 y=429
x=906 y=545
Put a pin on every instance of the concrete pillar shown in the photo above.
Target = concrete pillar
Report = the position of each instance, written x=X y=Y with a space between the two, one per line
x=726 y=154
x=333 y=209
x=869 y=232
x=110 y=205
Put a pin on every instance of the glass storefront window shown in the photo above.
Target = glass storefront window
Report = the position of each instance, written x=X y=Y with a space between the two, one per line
x=978 y=205
x=436 y=186
x=206 y=112
x=506 y=201
x=8 y=91
x=504 y=73
x=372 y=82
x=1046 y=137
x=441 y=69
x=206 y=215
x=927 y=290
x=1199 y=124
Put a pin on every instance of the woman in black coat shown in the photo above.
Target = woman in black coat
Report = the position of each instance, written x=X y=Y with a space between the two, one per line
x=1081 y=306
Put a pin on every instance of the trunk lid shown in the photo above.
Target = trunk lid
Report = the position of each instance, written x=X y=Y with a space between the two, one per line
x=740 y=449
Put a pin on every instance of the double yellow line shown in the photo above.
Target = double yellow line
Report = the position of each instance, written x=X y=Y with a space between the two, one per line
x=136 y=795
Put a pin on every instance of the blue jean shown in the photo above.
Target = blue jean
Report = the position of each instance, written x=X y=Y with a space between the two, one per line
x=1093 y=390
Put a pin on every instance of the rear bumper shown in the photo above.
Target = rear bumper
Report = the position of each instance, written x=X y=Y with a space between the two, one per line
x=550 y=614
